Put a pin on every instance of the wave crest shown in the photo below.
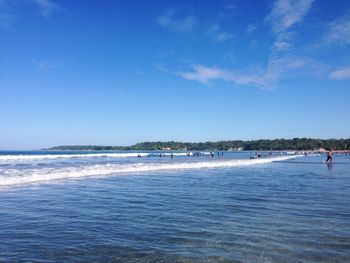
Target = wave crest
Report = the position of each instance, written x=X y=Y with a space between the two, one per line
x=15 y=177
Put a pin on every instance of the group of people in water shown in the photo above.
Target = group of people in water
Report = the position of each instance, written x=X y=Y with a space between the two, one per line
x=194 y=154
x=329 y=154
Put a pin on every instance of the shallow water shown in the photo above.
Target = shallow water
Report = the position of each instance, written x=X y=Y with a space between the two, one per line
x=295 y=210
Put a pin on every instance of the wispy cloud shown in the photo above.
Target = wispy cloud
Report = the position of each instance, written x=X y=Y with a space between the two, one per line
x=338 y=31
x=46 y=7
x=229 y=56
x=6 y=16
x=283 y=16
x=296 y=63
x=340 y=74
x=10 y=11
x=166 y=53
x=163 y=68
x=286 y=13
x=266 y=78
x=216 y=34
x=206 y=75
x=168 y=20
x=282 y=62
x=251 y=28
x=228 y=11
x=44 y=64
x=279 y=65
x=283 y=41
x=140 y=72
x=6 y=20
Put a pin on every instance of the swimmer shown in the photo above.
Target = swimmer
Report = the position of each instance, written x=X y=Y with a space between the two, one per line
x=329 y=156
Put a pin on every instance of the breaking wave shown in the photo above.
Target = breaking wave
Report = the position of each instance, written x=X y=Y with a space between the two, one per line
x=24 y=157
x=19 y=176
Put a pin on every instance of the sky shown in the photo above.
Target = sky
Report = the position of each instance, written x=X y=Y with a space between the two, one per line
x=120 y=72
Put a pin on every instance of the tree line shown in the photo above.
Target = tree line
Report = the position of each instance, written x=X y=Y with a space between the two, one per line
x=261 y=145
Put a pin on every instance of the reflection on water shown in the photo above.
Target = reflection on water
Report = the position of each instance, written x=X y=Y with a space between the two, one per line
x=330 y=166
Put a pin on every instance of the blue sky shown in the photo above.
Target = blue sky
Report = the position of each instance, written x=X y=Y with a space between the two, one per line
x=122 y=72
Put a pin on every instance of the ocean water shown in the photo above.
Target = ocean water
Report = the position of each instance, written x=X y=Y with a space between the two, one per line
x=118 y=207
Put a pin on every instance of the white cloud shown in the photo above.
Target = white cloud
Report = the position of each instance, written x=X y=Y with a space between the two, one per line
x=140 y=72
x=46 y=7
x=6 y=20
x=339 y=31
x=216 y=34
x=177 y=24
x=286 y=13
x=228 y=11
x=44 y=65
x=9 y=12
x=267 y=78
x=296 y=63
x=229 y=55
x=251 y=28
x=283 y=41
x=165 y=53
x=281 y=64
x=6 y=16
x=340 y=74
x=282 y=45
x=204 y=74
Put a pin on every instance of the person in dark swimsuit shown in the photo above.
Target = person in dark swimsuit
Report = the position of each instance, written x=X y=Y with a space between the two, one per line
x=329 y=156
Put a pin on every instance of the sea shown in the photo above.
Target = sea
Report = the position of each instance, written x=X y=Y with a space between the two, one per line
x=162 y=206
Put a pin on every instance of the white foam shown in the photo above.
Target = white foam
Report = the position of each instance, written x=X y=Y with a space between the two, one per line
x=56 y=156
x=15 y=177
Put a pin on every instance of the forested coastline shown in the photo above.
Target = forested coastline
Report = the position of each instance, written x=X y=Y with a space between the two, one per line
x=276 y=144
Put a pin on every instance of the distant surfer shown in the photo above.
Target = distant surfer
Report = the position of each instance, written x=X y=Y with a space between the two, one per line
x=329 y=157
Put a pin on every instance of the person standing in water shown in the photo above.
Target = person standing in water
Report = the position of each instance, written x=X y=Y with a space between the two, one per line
x=329 y=156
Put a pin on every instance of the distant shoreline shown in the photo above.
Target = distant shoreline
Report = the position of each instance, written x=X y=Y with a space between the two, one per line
x=297 y=144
